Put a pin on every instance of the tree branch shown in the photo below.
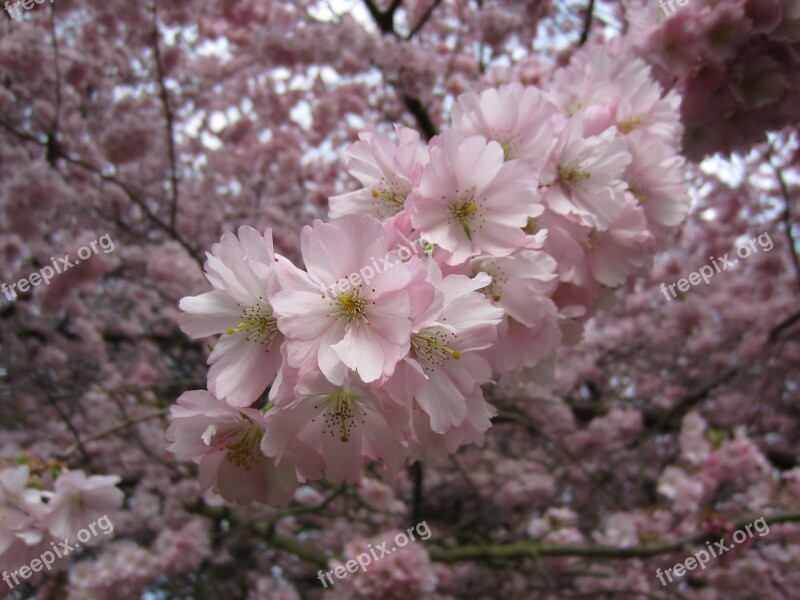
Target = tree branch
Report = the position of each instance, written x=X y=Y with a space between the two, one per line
x=786 y=216
x=587 y=23
x=530 y=549
x=383 y=19
x=110 y=431
x=57 y=70
x=385 y=22
x=420 y=113
x=134 y=197
x=300 y=550
x=785 y=324
x=423 y=19
x=170 y=133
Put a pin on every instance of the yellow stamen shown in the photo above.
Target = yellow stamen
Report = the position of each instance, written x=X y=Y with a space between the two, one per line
x=351 y=306
x=465 y=212
x=571 y=176
x=629 y=125
x=244 y=448
x=258 y=324
x=430 y=348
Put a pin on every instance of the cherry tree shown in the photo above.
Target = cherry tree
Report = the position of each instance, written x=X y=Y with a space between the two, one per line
x=516 y=281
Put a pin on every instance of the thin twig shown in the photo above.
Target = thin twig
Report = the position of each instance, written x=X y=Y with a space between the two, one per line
x=304 y=509
x=57 y=68
x=423 y=19
x=111 y=430
x=170 y=118
x=131 y=194
x=786 y=216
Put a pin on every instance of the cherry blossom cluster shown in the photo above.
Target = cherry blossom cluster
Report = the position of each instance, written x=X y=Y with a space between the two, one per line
x=40 y=513
x=528 y=211
x=735 y=64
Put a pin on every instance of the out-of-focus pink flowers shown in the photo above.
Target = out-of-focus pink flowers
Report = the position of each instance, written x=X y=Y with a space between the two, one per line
x=79 y=499
x=406 y=572
x=33 y=512
x=734 y=63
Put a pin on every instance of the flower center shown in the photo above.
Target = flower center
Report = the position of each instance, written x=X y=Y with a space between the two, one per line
x=258 y=324
x=571 y=176
x=629 y=125
x=464 y=211
x=341 y=414
x=641 y=197
x=350 y=306
x=591 y=241
x=495 y=289
x=430 y=348
x=244 y=447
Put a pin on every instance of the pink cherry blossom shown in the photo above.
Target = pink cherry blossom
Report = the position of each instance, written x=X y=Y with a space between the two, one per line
x=388 y=171
x=519 y=118
x=445 y=365
x=334 y=325
x=584 y=175
x=341 y=423
x=470 y=200
x=225 y=442
x=246 y=357
x=79 y=500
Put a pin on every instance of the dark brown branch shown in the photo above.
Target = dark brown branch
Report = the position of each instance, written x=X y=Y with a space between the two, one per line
x=786 y=216
x=420 y=113
x=385 y=22
x=587 y=23
x=383 y=19
x=170 y=118
x=673 y=417
x=78 y=446
x=57 y=69
x=531 y=549
x=134 y=197
x=300 y=550
x=424 y=19
x=780 y=327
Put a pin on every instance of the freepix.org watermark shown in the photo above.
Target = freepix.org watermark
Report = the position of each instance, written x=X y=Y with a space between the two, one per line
x=14 y=11
x=701 y=557
x=668 y=6
x=363 y=560
x=45 y=274
x=365 y=274
x=721 y=263
x=59 y=550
